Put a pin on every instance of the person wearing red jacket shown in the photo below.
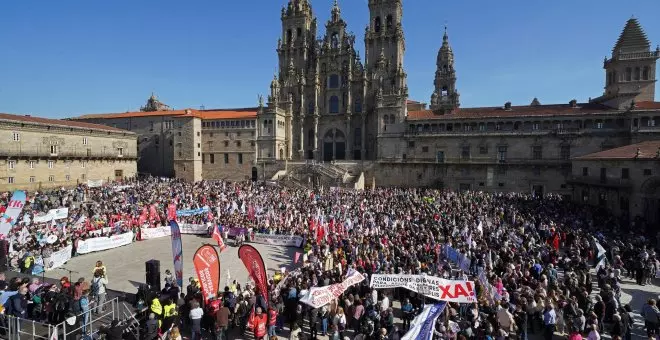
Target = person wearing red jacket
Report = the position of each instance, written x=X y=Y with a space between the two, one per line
x=272 y=321
x=260 y=320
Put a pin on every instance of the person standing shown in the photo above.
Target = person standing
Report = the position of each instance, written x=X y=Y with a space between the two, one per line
x=222 y=321
x=549 y=321
x=196 y=314
x=259 y=324
x=84 y=309
x=98 y=291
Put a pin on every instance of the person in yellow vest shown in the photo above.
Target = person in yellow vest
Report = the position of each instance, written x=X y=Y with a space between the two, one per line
x=169 y=314
x=28 y=263
x=156 y=308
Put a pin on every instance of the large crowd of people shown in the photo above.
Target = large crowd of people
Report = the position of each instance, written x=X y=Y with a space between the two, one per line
x=536 y=253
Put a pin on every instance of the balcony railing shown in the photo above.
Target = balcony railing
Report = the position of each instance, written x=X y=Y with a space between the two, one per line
x=477 y=161
x=9 y=153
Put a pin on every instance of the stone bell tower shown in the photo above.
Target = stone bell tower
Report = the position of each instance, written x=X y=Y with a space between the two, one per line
x=445 y=98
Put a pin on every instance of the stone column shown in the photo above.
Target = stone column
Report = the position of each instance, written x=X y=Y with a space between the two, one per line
x=363 y=136
x=349 y=139
x=301 y=151
x=316 y=137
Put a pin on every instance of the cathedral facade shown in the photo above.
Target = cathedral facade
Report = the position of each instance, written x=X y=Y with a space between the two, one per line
x=325 y=103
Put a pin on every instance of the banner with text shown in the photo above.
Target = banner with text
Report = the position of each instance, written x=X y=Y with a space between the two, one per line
x=430 y=286
x=423 y=325
x=58 y=258
x=185 y=228
x=104 y=243
x=278 y=240
x=14 y=208
x=321 y=296
x=207 y=266
x=94 y=184
x=192 y=212
x=52 y=214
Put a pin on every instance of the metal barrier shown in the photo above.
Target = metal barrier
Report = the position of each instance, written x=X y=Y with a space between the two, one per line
x=15 y=328
x=90 y=322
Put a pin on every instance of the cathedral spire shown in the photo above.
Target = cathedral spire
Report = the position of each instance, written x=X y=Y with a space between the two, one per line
x=336 y=12
x=445 y=98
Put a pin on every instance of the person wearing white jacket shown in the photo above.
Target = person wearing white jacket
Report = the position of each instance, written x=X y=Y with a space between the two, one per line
x=98 y=291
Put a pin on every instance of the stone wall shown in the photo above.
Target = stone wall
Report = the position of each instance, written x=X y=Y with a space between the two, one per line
x=188 y=148
x=40 y=156
x=228 y=153
x=155 y=141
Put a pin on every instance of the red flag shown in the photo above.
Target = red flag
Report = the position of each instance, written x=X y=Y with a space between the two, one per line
x=256 y=268
x=251 y=212
x=320 y=234
x=297 y=257
x=153 y=214
x=209 y=216
x=216 y=236
x=207 y=266
x=332 y=225
x=171 y=212
x=312 y=224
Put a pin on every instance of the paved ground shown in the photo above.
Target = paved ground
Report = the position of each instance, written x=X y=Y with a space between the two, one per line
x=126 y=268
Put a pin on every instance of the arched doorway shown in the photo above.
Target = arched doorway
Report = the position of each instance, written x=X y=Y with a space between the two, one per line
x=334 y=145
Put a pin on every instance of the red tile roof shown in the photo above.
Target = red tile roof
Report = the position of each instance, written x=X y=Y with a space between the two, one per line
x=58 y=122
x=241 y=113
x=647 y=150
x=525 y=111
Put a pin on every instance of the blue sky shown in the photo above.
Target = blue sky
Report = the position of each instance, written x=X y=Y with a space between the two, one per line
x=70 y=57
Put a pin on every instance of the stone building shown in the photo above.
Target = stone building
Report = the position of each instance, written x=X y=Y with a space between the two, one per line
x=624 y=180
x=325 y=105
x=331 y=118
x=191 y=144
x=40 y=153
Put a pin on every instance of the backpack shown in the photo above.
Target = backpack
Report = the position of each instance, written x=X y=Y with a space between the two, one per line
x=60 y=303
x=94 y=289
x=367 y=327
x=9 y=306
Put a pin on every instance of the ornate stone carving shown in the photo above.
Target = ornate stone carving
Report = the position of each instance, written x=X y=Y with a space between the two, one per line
x=119 y=144
x=53 y=140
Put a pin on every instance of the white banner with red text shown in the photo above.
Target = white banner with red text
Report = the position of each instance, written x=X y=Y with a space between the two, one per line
x=321 y=296
x=104 y=243
x=430 y=286
x=278 y=240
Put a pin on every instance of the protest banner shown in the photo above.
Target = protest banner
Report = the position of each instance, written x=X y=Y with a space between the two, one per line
x=321 y=296
x=104 y=243
x=94 y=184
x=278 y=240
x=185 y=228
x=52 y=214
x=429 y=286
x=423 y=325
x=192 y=212
x=58 y=258
x=14 y=209
x=233 y=232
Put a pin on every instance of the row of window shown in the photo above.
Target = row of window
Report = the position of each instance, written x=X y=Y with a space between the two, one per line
x=211 y=158
x=51 y=178
x=16 y=137
x=466 y=152
x=231 y=124
x=625 y=173
x=11 y=164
